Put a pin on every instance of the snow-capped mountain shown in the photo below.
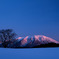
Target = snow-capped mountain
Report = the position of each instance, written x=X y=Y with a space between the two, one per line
x=35 y=41
x=30 y=41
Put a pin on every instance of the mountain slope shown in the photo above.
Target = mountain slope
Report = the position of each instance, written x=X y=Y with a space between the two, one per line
x=36 y=40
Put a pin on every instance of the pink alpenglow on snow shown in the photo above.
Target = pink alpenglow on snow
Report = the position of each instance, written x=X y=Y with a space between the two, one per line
x=39 y=38
x=30 y=41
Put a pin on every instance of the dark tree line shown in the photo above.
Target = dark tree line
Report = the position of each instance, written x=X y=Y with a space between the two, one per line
x=7 y=35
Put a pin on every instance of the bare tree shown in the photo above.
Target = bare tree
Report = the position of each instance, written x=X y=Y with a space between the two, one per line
x=2 y=35
x=1 y=38
x=10 y=34
x=7 y=34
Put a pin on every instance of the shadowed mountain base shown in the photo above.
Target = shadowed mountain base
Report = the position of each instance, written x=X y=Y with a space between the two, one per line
x=38 y=46
x=43 y=46
x=47 y=45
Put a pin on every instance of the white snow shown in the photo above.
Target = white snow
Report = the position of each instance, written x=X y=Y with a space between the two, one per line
x=34 y=53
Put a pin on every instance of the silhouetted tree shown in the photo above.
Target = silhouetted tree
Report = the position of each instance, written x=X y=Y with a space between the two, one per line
x=2 y=35
x=7 y=36
x=1 y=39
x=10 y=34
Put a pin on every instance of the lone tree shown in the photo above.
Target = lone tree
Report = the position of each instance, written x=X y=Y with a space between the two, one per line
x=6 y=35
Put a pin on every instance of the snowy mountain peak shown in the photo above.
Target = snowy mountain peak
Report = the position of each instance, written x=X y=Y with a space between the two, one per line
x=36 y=40
x=44 y=38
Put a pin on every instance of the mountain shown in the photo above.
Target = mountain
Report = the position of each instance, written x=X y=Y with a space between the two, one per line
x=36 y=40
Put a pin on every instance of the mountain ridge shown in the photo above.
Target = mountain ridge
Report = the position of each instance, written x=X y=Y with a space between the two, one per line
x=36 y=40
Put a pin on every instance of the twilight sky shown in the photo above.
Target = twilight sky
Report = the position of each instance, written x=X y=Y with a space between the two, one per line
x=31 y=17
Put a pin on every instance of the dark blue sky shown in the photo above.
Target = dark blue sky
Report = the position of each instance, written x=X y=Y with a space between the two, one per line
x=31 y=17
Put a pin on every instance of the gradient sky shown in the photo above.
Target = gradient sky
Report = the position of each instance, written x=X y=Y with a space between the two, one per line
x=31 y=17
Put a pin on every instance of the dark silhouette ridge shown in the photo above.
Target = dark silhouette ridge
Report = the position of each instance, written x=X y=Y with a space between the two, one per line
x=42 y=46
x=47 y=45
